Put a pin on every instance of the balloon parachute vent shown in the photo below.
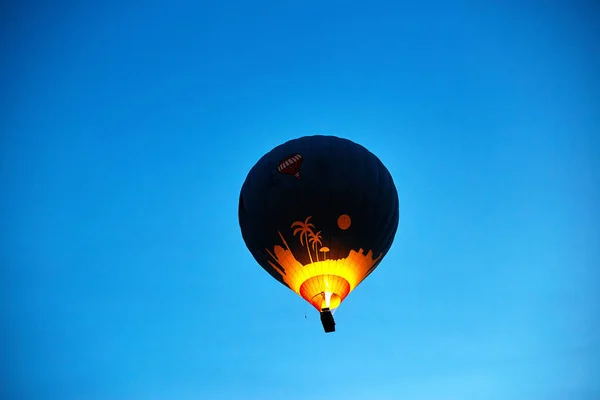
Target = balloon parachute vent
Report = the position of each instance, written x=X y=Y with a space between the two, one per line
x=327 y=320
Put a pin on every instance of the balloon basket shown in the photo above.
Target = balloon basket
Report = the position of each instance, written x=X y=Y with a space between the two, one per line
x=327 y=320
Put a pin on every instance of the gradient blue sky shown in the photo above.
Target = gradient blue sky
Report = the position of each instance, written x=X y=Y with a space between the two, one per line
x=129 y=127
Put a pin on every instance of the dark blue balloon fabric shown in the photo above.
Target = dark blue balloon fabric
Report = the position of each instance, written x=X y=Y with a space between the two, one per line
x=344 y=190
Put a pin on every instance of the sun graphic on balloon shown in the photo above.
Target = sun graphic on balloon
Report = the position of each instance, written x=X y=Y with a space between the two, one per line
x=344 y=221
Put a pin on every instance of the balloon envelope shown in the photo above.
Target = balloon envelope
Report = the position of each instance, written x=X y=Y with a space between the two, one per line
x=319 y=213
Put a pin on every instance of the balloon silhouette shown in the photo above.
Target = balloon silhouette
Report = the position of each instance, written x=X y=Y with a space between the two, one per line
x=321 y=235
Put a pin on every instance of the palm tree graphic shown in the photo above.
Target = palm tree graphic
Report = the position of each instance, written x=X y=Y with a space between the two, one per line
x=315 y=240
x=304 y=228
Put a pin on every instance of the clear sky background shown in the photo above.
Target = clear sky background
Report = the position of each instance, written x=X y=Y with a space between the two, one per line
x=128 y=129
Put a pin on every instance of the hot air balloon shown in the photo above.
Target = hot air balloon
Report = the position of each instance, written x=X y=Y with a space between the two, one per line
x=291 y=165
x=319 y=213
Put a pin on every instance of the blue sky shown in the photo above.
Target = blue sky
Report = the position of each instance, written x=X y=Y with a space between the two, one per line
x=128 y=130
